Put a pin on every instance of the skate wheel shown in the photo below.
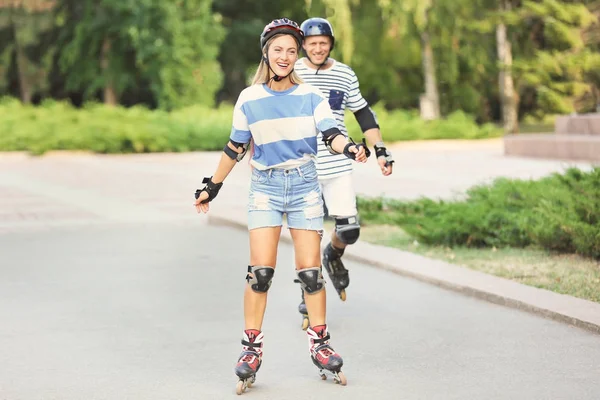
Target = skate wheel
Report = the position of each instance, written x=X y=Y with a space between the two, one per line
x=240 y=387
x=323 y=377
x=304 y=323
x=341 y=379
x=343 y=294
x=251 y=381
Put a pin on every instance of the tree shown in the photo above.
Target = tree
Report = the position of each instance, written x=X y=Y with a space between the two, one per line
x=418 y=13
x=508 y=97
x=23 y=23
x=118 y=45
x=551 y=51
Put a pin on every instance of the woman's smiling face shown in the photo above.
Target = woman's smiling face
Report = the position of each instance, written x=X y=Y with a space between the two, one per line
x=283 y=54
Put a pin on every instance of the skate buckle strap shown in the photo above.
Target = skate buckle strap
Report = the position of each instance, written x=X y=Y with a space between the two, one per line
x=345 y=221
x=321 y=340
x=251 y=344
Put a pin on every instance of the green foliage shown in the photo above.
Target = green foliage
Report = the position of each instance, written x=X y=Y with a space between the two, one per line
x=558 y=213
x=24 y=44
x=549 y=47
x=173 y=54
x=400 y=125
x=389 y=33
x=102 y=129
x=169 y=46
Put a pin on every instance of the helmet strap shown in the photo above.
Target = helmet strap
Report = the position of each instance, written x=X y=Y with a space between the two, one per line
x=275 y=77
x=318 y=65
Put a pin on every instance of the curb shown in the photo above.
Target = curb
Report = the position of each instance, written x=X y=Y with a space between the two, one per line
x=562 y=308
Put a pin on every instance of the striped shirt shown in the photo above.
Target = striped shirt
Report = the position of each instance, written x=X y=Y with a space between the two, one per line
x=340 y=85
x=282 y=125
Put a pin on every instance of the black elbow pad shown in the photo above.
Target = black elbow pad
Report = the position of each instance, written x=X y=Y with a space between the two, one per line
x=366 y=119
x=233 y=154
x=328 y=137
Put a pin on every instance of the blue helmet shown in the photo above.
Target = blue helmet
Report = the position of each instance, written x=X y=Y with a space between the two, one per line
x=318 y=27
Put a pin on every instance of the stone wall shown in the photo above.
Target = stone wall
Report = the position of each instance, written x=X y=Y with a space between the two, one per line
x=575 y=137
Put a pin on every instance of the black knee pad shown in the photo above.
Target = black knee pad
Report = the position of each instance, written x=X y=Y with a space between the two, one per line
x=259 y=278
x=311 y=280
x=347 y=229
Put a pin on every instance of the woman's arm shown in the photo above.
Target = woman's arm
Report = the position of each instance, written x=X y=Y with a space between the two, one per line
x=233 y=152
x=231 y=155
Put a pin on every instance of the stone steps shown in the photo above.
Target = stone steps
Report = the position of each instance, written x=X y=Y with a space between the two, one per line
x=585 y=124
x=583 y=147
x=575 y=137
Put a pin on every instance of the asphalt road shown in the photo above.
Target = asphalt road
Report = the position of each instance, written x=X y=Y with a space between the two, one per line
x=133 y=310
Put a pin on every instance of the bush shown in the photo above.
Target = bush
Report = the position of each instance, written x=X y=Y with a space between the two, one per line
x=402 y=125
x=98 y=128
x=558 y=213
x=101 y=129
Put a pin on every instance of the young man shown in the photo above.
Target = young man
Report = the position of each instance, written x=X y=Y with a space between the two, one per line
x=339 y=84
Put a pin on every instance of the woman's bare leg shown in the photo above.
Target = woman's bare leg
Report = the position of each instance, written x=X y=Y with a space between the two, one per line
x=263 y=252
x=307 y=249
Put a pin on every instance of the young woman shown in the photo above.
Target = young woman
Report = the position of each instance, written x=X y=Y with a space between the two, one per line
x=280 y=117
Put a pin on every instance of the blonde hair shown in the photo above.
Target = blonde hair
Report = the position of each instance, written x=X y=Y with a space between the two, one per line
x=262 y=74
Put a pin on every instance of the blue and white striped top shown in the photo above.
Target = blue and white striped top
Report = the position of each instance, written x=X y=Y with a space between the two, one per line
x=283 y=125
x=340 y=86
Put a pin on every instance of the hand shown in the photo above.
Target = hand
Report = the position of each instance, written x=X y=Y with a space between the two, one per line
x=386 y=170
x=384 y=158
x=202 y=207
x=207 y=194
x=359 y=153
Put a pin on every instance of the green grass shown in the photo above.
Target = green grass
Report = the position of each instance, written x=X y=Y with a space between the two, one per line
x=558 y=213
x=567 y=274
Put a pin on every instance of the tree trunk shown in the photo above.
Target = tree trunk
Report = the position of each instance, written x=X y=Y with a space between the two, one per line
x=25 y=86
x=431 y=97
x=110 y=94
x=508 y=97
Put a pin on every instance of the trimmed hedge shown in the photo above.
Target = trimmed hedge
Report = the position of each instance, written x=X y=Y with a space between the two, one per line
x=559 y=213
x=98 y=128
x=402 y=125
x=101 y=129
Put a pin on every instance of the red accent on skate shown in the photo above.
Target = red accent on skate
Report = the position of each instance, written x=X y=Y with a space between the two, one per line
x=248 y=358
x=252 y=360
x=320 y=330
x=252 y=334
x=326 y=356
x=326 y=352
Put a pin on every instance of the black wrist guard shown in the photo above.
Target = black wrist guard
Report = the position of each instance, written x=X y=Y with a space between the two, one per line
x=382 y=151
x=351 y=155
x=211 y=188
x=367 y=151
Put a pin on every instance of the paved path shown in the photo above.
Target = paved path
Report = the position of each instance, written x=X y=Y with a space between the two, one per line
x=154 y=312
x=111 y=287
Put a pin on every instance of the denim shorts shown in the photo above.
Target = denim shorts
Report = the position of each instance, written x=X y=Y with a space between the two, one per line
x=294 y=192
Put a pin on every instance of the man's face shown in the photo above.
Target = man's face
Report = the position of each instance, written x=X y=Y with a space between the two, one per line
x=317 y=48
